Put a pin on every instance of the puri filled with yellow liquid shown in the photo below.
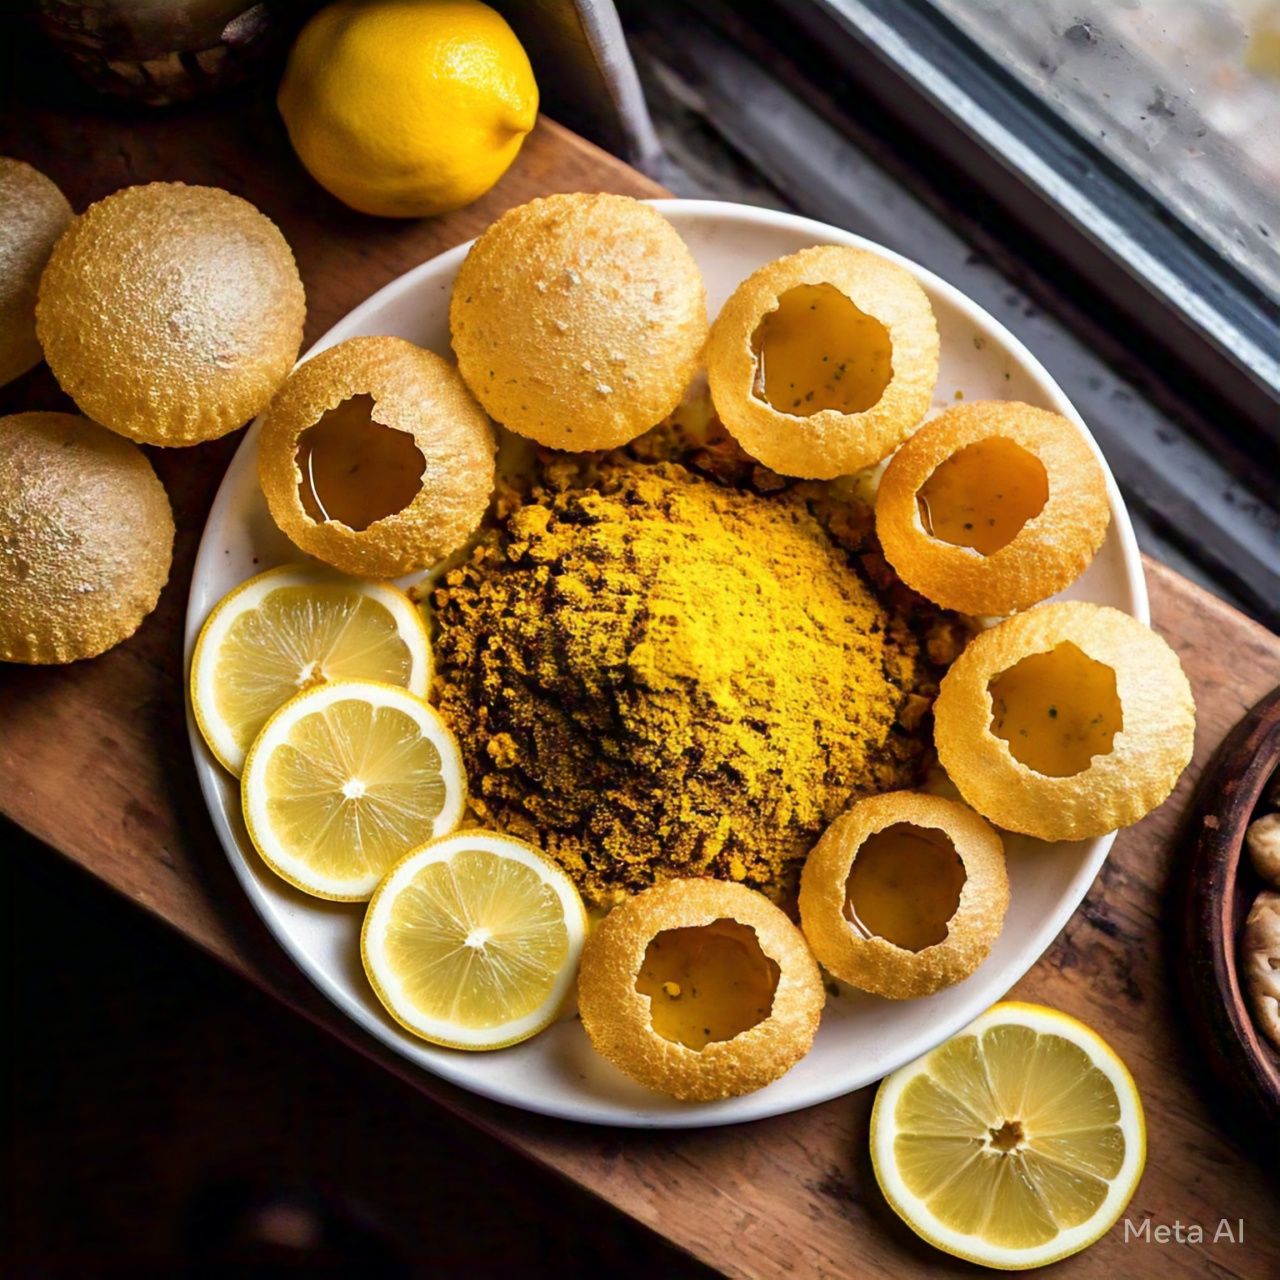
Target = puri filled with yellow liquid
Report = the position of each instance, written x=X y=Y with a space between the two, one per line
x=983 y=495
x=707 y=983
x=816 y=350
x=1056 y=710
x=905 y=886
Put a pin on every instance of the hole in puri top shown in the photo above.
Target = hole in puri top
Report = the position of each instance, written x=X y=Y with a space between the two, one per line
x=707 y=983
x=904 y=886
x=816 y=350
x=983 y=495
x=354 y=470
x=1056 y=710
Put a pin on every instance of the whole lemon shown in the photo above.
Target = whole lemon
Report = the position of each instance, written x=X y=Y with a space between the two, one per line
x=407 y=108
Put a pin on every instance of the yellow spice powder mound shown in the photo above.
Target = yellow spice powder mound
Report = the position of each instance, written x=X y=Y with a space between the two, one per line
x=660 y=676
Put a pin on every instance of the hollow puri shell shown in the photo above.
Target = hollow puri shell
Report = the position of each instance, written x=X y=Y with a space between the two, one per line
x=171 y=313
x=415 y=392
x=1050 y=550
x=86 y=538
x=873 y=963
x=618 y=1018
x=1124 y=780
x=33 y=214
x=827 y=443
x=578 y=320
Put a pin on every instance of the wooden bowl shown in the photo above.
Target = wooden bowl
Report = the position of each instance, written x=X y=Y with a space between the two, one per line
x=1219 y=887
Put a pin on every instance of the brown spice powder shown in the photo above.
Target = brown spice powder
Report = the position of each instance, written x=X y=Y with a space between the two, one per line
x=660 y=676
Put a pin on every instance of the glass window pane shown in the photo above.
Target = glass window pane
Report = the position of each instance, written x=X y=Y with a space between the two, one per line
x=1183 y=94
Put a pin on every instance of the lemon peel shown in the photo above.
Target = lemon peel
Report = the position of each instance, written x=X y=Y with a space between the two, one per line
x=874 y=963
x=407 y=110
x=578 y=320
x=86 y=538
x=1017 y=1143
x=473 y=941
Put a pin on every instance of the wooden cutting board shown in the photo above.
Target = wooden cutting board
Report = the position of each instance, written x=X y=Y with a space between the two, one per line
x=94 y=761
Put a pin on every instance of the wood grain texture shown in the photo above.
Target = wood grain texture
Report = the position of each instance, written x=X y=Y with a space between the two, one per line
x=94 y=761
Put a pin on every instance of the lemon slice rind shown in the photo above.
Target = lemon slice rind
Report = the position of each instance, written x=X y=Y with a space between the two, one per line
x=214 y=729
x=974 y=1247
x=387 y=984
x=255 y=795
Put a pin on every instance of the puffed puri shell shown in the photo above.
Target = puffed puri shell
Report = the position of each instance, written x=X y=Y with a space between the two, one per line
x=579 y=320
x=1147 y=756
x=33 y=214
x=171 y=313
x=414 y=391
x=829 y=443
x=1047 y=554
x=86 y=538
x=874 y=964
x=617 y=1017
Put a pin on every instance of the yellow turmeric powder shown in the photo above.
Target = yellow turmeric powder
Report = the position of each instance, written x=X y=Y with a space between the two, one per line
x=658 y=675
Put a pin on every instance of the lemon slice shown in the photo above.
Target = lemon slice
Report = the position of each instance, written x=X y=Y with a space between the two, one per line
x=473 y=941
x=1018 y=1142
x=344 y=780
x=289 y=629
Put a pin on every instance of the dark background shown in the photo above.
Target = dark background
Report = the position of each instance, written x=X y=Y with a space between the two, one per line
x=162 y=1117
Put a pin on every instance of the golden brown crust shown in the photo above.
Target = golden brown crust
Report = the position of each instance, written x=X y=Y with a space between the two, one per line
x=875 y=964
x=33 y=214
x=579 y=320
x=171 y=313
x=617 y=1017
x=88 y=535
x=1147 y=755
x=414 y=391
x=829 y=443
x=1050 y=551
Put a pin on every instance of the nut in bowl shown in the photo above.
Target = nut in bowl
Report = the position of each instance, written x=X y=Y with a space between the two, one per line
x=671 y=666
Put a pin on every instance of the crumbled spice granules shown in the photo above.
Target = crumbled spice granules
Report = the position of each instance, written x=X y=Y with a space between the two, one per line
x=652 y=674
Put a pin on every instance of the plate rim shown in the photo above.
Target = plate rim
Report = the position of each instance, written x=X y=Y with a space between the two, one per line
x=569 y=1106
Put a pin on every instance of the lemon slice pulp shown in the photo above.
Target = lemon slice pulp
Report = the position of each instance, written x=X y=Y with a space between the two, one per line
x=344 y=780
x=1016 y=1143
x=473 y=941
x=292 y=628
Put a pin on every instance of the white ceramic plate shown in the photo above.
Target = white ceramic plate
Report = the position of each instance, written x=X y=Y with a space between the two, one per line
x=862 y=1037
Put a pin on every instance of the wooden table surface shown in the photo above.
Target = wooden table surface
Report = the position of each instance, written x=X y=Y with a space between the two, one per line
x=94 y=761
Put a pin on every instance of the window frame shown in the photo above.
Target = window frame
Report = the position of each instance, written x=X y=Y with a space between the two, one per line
x=1209 y=325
